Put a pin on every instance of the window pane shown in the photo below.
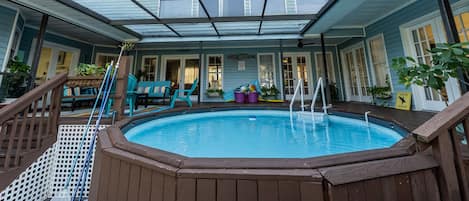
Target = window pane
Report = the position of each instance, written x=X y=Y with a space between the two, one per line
x=215 y=68
x=115 y=9
x=266 y=70
x=212 y=7
x=275 y=7
x=176 y=8
x=149 y=69
x=320 y=67
x=378 y=59
x=233 y=8
x=309 y=6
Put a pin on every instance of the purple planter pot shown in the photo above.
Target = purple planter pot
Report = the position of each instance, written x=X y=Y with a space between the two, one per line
x=239 y=97
x=252 y=97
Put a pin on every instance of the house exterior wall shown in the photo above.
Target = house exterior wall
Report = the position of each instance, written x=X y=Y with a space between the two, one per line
x=390 y=28
x=7 y=24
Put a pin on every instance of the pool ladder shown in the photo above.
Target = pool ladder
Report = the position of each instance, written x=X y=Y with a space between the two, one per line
x=300 y=88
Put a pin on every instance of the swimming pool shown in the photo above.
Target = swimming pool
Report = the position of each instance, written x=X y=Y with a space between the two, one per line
x=259 y=134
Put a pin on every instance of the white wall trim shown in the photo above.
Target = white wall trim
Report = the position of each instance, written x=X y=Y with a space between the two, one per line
x=370 y=59
x=222 y=69
x=273 y=63
x=316 y=53
x=10 y=42
x=142 y=63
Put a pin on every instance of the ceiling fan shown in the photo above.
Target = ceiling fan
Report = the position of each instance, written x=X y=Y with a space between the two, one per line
x=301 y=44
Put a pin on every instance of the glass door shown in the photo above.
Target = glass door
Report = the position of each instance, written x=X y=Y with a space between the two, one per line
x=181 y=71
x=53 y=61
x=296 y=67
x=422 y=38
x=356 y=74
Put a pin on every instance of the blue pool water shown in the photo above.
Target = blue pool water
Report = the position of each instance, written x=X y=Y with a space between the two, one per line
x=259 y=134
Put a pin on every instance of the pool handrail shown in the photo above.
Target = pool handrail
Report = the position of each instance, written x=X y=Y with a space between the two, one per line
x=320 y=84
x=300 y=87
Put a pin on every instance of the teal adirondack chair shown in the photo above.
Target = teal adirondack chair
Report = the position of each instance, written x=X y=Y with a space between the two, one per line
x=187 y=94
x=131 y=96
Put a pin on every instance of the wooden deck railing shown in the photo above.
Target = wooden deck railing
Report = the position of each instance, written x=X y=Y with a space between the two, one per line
x=28 y=127
x=447 y=133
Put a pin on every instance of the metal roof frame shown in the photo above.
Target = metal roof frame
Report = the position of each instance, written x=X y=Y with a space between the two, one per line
x=208 y=17
x=154 y=16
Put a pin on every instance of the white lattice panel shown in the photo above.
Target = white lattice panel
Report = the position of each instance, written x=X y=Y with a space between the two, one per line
x=32 y=184
x=67 y=144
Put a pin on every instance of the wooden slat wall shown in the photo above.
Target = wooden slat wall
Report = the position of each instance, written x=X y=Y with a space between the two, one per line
x=414 y=186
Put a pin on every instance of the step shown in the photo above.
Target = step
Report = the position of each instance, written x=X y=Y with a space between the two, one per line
x=319 y=117
x=12 y=158
x=5 y=142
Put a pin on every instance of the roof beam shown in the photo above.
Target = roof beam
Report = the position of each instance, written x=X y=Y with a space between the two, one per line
x=213 y=19
x=208 y=17
x=154 y=16
x=262 y=17
x=323 y=10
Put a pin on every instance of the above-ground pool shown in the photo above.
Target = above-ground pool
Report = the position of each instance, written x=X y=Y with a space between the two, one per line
x=259 y=134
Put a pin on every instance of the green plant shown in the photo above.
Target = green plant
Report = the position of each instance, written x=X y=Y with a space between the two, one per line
x=90 y=70
x=381 y=92
x=219 y=91
x=269 y=91
x=15 y=81
x=448 y=59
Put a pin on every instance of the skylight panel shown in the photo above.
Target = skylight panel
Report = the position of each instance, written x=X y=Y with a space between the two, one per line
x=152 y=30
x=240 y=28
x=194 y=29
x=115 y=9
x=285 y=26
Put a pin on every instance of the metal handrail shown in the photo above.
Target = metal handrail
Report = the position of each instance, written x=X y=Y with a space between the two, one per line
x=320 y=84
x=298 y=86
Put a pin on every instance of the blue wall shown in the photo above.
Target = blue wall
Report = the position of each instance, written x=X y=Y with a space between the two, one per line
x=7 y=17
x=30 y=33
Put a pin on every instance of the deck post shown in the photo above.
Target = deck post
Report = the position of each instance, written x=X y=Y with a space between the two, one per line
x=326 y=75
x=37 y=50
x=452 y=35
x=121 y=88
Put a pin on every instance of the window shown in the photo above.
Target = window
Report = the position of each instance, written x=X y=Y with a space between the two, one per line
x=320 y=66
x=379 y=62
x=149 y=68
x=233 y=7
x=266 y=69
x=462 y=24
x=215 y=72
x=103 y=59
x=176 y=8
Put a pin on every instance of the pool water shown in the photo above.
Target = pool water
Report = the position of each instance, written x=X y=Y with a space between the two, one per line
x=259 y=134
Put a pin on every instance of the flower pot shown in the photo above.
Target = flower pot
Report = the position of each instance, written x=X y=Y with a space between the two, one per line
x=213 y=94
x=252 y=97
x=239 y=97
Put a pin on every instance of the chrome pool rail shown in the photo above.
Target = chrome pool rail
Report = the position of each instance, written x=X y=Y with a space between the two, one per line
x=319 y=85
x=366 y=117
x=300 y=87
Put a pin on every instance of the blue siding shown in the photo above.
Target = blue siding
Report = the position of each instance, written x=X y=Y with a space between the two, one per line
x=29 y=34
x=7 y=17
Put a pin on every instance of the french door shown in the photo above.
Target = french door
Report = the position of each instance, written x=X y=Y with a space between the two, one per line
x=296 y=66
x=421 y=38
x=356 y=74
x=56 y=59
x=181 y=71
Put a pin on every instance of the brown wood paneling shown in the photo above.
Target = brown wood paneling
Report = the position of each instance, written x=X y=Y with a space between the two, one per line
x=206 y=190
x=338 y=193
x=403 y=188
x=373 y=189
x=226 y=190
x=104 y=177
x=113 y=179
x=417 y=181
x=145 y=185
x=134 y=182
x=186 y=189
x=157 y=186
x=311 y=191
x=289 y=191
x=123 y=187
x=433 y=193
x=169 y=188
x=356 y=191
x=268 y=190
x=247 y=190
x=389 y=188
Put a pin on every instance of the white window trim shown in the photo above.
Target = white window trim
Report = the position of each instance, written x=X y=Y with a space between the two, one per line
x=104 y=54
x=156 y=64
x=55 y=46
x=370 y=59
x=222 y=70
x=273 y=63
x=10 y=42
x=317 y=64
x=307 y=55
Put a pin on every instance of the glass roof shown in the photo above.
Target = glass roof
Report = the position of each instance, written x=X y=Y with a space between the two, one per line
x=199 y=18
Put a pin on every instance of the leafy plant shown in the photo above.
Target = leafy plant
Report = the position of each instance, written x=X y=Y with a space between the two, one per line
x=90 y=70
x=448 y=59
x=381 y=92
x=15 y=81
x=269 y=91
x=219 y=91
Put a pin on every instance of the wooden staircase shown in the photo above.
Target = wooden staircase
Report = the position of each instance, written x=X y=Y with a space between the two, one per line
x=28 y=127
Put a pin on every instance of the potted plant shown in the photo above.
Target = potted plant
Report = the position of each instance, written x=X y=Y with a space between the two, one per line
x=15 y=81
x=215 y=93
x=381 y=92
x=269 y=93
x=448 y=60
